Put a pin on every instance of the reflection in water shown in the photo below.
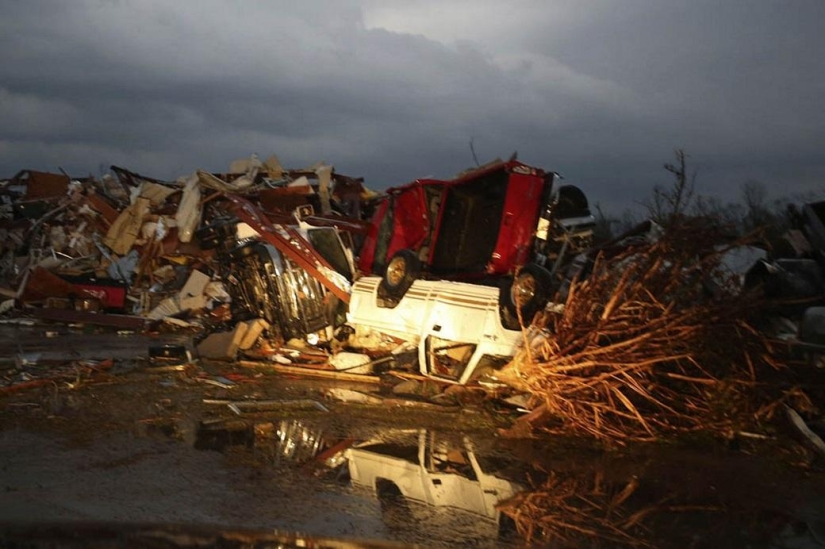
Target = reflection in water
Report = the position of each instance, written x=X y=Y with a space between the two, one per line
x=441 y=489
x=289 y=441
x=432 y=483
x=583 y=507
x=428 y=468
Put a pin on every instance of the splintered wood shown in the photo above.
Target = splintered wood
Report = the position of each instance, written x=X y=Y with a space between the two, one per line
x=656 y=341
x=578 y=512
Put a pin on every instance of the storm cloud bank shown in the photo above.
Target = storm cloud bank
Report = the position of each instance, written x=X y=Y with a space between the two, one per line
x=600 y=91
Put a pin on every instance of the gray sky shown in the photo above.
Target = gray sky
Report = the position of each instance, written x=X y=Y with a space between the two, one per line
x=602 y=91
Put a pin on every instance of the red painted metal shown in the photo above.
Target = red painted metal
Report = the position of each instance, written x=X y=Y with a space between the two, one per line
x=410 y=229
x=366 y=257
x=411 y=224
x=518 y=223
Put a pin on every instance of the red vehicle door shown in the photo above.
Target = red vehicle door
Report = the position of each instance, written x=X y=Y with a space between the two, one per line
x=522 y=207
x=400 y=222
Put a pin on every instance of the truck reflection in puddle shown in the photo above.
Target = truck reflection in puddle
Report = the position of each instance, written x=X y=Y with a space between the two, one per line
x=418 y=465
x=419 y=479
x=426 y=467
x=441 y=488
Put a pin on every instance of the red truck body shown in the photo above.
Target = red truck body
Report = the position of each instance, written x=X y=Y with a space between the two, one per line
x=477 y=225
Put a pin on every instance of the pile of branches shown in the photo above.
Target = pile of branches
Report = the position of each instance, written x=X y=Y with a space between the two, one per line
x=576 y=512
x=657 y=340
x=595 y=509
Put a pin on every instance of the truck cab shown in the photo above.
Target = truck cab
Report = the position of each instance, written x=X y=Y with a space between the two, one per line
x=455 y=327
x=505 y=224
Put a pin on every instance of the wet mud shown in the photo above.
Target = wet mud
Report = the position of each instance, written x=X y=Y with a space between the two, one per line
x=138 y=446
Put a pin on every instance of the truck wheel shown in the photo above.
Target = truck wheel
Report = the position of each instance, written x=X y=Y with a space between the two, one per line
x=528 y=292
x=401 y=272
x=395 y=510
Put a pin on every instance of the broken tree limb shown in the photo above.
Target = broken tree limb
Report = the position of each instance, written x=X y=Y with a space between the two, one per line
x=641 y=350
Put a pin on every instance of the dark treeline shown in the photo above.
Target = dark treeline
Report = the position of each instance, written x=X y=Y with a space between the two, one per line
x=754 y=214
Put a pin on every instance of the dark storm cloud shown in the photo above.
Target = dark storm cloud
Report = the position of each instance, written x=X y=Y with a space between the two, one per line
x=601 y=91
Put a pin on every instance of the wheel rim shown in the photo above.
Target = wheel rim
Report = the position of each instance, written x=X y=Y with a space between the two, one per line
x=524 y=290
x=396 y=270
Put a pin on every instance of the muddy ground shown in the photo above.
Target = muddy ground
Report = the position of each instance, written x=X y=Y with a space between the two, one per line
x=131 y=446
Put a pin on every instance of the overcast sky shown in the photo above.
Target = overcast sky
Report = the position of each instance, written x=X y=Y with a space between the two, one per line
x=601 y=91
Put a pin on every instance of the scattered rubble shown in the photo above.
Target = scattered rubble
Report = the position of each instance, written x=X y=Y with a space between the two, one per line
x=138 y=252
x=431 y=297
x=264 y=265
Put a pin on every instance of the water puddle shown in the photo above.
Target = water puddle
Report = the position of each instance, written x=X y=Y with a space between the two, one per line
x=444 y=488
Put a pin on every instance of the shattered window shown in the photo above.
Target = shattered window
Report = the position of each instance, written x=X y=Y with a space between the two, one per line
x=448 y=358
x=382 y=240
x=326 y=242
x=407 y=453
x=488 y=365
x=446 y=458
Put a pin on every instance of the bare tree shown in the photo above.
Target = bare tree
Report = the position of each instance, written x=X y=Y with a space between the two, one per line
x=726 y=213
x=603 y=231
x=668 y=206
x=757 y=213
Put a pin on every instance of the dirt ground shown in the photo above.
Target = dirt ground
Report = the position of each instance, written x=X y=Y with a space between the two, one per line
x=130 y=446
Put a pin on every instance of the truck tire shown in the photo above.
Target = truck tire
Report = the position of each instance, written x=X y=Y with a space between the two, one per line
x=526 y=294
x=402 y=270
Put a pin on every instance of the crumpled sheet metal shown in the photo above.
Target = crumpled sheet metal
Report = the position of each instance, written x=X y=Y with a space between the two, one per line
x=293 y=245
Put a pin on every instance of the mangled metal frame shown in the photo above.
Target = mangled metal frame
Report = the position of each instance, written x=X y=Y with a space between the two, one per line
x=292 y=244
x=278 y=274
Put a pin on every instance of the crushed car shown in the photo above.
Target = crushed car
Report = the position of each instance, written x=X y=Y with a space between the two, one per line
x=454 y=327
x=297 y=277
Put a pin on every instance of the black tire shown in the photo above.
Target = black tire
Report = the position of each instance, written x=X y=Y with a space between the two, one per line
x=526 y=294
x=402 y=270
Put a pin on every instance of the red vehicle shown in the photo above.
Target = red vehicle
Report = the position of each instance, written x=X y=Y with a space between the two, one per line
x=484 y=226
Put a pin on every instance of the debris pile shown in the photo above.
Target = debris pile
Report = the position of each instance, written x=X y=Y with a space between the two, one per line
x=650 y=335
x=655 y=334
x=255 y=250
x=657 y=340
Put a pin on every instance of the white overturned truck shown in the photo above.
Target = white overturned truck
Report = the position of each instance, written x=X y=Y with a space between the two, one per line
x=455 y=326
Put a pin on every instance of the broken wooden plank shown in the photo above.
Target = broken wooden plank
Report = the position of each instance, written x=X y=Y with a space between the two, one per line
x=298 y=371
x=126 y=228
x=85 y=317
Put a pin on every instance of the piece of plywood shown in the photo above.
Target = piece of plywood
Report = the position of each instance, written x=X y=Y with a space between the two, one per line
x=222 y=345
x=125 y=230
